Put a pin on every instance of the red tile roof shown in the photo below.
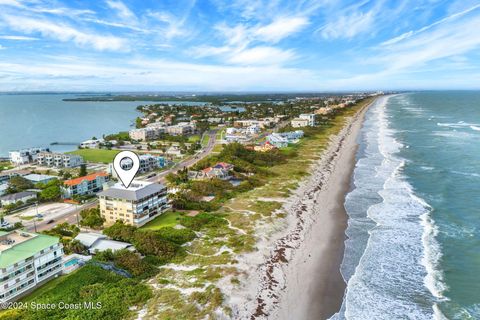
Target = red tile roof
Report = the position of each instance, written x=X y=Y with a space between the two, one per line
x=90 y=177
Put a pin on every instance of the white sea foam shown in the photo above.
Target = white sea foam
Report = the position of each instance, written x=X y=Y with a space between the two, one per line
x=401 y=252
x=476 y=128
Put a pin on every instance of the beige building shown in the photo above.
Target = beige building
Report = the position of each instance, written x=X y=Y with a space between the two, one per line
x=142 y=134
x=299 y=123
x=142 y=202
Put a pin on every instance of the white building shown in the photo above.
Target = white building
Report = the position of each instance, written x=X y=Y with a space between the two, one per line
x=310 y=117
x=59 y=160
x=91 y=144
x=13 y=198
x=25 y=156
x=27 y=260
x=97 y=242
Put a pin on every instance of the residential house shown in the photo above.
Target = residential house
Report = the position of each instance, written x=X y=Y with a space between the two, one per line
x=97 y=242
x=39 y=178
x=27 y=260
x=13 y=198
x=264 y=147
x=140 y=203
x=220 y=171
x=92 y=143
x=85 y=185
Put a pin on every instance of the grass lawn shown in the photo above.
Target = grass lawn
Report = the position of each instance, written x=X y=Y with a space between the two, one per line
x=205 y=140
x=168 y=219
x=96 y=155
x=220 y=134
x=194 y=138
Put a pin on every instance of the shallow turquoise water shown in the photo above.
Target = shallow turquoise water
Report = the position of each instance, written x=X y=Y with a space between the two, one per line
x=414 y=230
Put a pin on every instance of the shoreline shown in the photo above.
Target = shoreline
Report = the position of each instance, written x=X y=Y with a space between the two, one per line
x=298 y=272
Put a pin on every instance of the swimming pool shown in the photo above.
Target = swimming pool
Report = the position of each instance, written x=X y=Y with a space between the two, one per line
x=71 y=262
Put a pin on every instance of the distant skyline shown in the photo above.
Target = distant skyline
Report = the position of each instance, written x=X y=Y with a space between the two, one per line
x=238 y=45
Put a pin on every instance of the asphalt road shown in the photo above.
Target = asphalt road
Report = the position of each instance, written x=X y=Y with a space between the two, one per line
x=160 y=177
x=70 y=217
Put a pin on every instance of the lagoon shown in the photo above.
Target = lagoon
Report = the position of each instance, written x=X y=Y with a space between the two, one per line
x=37 y=120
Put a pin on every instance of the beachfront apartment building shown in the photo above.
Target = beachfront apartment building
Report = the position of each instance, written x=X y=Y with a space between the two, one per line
x=27 y=260
x=85 y=185
x=282 y=140
x=59 y=160
x=25 y=156
x=140 y=203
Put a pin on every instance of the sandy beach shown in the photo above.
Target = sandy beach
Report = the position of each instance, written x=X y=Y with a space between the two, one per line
x=297 y=270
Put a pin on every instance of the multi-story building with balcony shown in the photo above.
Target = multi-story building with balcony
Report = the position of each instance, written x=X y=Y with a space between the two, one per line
x=25 y=156
x=85 y=185
x=59 y=160
x=27 y=260
x=140 y=203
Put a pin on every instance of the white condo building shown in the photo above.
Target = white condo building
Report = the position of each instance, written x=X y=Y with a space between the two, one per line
x=26 y=261
x=25 y=156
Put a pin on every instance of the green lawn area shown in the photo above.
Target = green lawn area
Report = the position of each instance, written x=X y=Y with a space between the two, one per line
x=96 y=155
x=168 y=219
x=194 y=138
x=220 y=134
x=205 y=140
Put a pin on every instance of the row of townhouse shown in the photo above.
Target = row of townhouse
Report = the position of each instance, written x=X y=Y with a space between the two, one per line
x=24 y=156
x=27 y=260
x=59 y=160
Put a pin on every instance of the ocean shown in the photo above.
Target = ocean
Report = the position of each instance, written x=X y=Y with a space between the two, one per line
x=413 y=248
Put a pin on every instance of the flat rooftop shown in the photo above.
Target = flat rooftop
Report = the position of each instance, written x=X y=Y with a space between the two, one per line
x=18 y=245
x=138 y=190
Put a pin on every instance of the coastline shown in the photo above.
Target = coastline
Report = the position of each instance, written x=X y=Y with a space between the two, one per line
x=297 y=273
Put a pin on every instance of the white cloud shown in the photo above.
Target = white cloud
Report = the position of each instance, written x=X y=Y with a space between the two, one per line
x=348 y=26
x=150 y=74
x=238 y=48
x=261 y=56
x=63 y=32
x=121 y=9
x=18 y=38
x=280 y=28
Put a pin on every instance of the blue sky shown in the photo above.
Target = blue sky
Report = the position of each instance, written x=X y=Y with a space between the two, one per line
x=239 y=45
